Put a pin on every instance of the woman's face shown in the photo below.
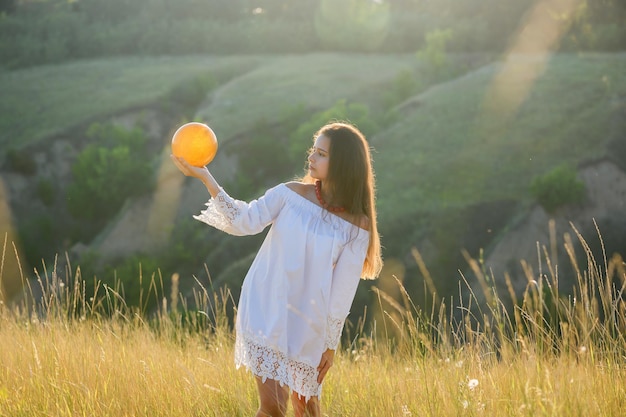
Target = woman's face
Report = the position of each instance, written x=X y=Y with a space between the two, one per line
x=319 y=158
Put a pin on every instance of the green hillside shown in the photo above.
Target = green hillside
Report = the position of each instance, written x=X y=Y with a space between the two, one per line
x=451 y=148
x=442 y=145
x=41 y=102
x=314 y=81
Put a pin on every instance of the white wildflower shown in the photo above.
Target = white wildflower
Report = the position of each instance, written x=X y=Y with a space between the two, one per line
x=472 y=383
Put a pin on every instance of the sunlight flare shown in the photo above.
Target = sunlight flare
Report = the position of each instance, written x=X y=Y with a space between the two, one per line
x=166 y=200
x=526 y=59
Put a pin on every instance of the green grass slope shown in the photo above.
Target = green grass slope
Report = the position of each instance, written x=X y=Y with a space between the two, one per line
x=461 y=143
x=40 y=102
x=314 y=81
x=479 y=138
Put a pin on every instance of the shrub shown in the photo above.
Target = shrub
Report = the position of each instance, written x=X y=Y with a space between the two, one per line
x=404 y=85
x=21 y=161
x=352 y=25
x=434 y=53
x=137 y=279
x=109 y=171
x=191 y=92
x=558 y=187
x=262 y=159
x=46 y=191
x=132 y=278
x=617 y=143
x=7 y=6
x=36 y=235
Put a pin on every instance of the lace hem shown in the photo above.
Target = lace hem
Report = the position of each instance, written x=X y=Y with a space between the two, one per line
x=221 y=211
x=334 y=327
x=266 y=362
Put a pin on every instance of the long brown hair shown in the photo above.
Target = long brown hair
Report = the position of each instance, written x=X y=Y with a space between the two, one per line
x=350 y=181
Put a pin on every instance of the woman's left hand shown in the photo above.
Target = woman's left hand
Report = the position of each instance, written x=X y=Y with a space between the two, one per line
x=188 y=169
x=327 y=361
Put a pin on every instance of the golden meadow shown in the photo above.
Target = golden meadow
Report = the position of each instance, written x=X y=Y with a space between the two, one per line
x=76 y=354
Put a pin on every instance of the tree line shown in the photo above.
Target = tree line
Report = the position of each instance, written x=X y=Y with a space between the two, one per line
x=34 y=32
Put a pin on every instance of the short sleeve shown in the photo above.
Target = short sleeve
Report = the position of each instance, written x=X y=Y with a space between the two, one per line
x=346 y=277
x=240 y=218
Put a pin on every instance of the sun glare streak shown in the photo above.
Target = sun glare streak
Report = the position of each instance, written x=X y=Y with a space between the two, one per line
x=165 y=200
x=10 y=271
x=527 y=57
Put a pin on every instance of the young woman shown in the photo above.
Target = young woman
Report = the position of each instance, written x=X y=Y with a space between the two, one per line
x=299 y=289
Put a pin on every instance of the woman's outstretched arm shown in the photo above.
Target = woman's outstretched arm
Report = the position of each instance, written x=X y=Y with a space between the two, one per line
x=228 y=214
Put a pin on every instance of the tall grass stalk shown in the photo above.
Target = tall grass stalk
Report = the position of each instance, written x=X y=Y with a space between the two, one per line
x=544 y=352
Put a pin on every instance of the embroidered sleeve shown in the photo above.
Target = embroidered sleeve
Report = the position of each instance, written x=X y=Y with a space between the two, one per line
x=221 y=212
x=346 y=277
x=238 y=217
x=333 y=332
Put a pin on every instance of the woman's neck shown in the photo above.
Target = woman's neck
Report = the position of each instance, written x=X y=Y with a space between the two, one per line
x=323 y=198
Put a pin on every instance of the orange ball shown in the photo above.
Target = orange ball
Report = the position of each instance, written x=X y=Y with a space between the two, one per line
x=196 y=143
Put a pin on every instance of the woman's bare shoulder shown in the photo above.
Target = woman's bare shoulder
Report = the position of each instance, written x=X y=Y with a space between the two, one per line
x=308 y=191
x=299 y=187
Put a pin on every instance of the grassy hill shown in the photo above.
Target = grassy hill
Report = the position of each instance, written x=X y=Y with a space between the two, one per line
x=314 y=81
x=40 y=102
x=444 y=145
x=457 y=145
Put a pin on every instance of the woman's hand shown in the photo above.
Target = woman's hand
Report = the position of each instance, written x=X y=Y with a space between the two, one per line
x=327 y=361
x=187 y=169
x=202 y=173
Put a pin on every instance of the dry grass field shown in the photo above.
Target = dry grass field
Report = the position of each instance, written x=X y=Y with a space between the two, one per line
x=73 y=354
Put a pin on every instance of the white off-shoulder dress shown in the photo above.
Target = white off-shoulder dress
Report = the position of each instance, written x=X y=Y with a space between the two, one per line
x=300 y=287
